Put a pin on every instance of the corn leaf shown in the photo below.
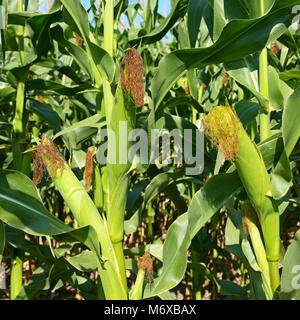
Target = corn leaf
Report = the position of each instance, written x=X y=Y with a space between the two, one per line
x=238 y=39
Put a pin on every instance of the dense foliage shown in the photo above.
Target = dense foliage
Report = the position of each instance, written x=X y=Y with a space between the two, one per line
x=70 y=224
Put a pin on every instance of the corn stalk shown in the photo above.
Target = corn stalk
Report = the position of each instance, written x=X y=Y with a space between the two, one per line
x=264 y=87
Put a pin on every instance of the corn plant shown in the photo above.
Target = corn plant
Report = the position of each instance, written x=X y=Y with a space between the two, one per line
x=80 y=80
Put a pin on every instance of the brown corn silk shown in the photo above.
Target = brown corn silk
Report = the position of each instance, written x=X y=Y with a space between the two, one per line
x=275 y=48
x=145 y=263
x=225 y=79
x=38 y=168
x=131 y=71
x=220 y=127
x=89 y=167
x=46 y=152
x=79 y=40
x=41 y=99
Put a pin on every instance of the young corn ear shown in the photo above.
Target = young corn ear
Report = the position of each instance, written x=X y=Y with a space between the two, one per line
x=251 y=227
x=225 y=130
x=84 y=211
x=144 y=264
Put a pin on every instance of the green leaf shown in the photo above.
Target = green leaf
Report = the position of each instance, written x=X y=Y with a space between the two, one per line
x=177 y=12
x=95 y=121
x=37 y=27
x=49 y=85
x=279 y=91
x=225 y=11
x=245 y=72
x=45 y=112
x=61 y=272
x=291 y=122
x=246 y=111
x=86 y=287
x=271 y=149
x=86 y=261
x=37 y=282
x=216 y=192
x=254 y=7
x=7 y=93
x=282 y=175
x=228 y=288
x=200 y=22
x=290 y=279
x=290 y=75
x=233 y=239
x=281 y=178
x=79 y=55
x=184 y=101
x=17 y=239
x=21 y=208
x=205 y=203
x=174 y=258
x=157 y=185
x=20 y=18
x=77 y=18
x=13 y=64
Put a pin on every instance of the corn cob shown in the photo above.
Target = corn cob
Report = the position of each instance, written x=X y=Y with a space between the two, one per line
x=226 y=132
x=84 y=211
